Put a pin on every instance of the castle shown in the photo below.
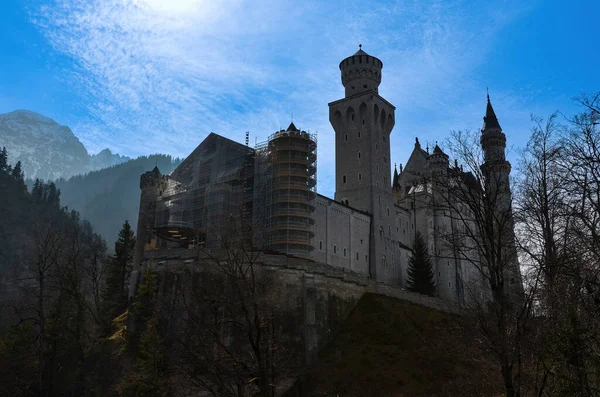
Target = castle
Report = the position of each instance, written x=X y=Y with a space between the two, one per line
x=367 y=229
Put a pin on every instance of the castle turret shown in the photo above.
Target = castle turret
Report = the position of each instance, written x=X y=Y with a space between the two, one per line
x=151 y=184
x=363 y=121
x=496 y=170
x=437 y=162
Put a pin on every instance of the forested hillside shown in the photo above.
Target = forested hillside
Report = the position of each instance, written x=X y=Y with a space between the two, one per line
x=107 y=197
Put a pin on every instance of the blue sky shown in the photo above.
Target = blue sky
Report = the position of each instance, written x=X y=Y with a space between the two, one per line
x=151 y=76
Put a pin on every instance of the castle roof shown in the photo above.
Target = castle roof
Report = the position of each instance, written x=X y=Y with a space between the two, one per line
x=438 y=150
x=360 y=52
x=292 y=127
x=490 y=121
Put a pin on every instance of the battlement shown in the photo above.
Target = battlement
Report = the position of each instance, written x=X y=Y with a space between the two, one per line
x=361 y=72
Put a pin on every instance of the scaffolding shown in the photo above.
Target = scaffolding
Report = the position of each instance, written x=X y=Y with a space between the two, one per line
x=208 y=197
x=286 y=188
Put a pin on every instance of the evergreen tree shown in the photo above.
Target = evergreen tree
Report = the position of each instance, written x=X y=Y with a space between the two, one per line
x=3 y=159
x=17 y=173
x=421 y=278
x=117 y=281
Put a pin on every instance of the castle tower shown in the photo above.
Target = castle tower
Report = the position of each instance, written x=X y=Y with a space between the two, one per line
x=496 y=169
x=151 y=186
x=363 y=121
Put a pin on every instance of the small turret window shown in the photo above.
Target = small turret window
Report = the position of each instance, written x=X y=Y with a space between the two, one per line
x=334 y=248
x=359 y=134
x=343 y=178
x=359 y=155
x=359 y=176
x=346 y=137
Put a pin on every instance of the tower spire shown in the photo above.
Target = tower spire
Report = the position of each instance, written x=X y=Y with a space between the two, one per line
x=490 y=121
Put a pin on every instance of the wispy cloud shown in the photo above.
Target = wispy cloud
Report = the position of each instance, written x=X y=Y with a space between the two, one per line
x=159 y=75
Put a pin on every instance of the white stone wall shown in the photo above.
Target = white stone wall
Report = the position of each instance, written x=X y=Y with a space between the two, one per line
x=341 y=236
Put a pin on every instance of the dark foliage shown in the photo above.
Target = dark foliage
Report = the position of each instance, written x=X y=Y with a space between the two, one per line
x=421 y=278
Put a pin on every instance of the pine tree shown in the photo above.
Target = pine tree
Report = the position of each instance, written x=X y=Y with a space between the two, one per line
x=3 y=159
x=17 y=173
x=421 y=278
x=117 y=280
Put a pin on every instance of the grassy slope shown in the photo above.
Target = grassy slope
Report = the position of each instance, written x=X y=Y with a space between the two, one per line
x=389 y=347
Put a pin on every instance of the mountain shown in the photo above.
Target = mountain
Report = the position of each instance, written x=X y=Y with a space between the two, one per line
x=48 y=150
x=109 y=196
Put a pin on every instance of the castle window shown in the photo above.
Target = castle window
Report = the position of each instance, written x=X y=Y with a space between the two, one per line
x=343 y=178
x=388 y=211
x=321 y=245
x=359 y=134
x=366 y=258
x=377 y=184
x=352 y=113
x=439 y=274
x=412 y=205
x=376 y=146
x=361 y=240
x=357 y=256
x=377 y=167
x=449 y=285
x=346 y=137
x=359 y=176
x=359 y=155
x=334 y=248
x=363 y=121
x=344 y=252
x=365 y=86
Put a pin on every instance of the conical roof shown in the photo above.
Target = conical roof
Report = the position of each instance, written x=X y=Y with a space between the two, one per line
x=490 y=121
x=292 y=127
x=438 y=150
x=360 y=52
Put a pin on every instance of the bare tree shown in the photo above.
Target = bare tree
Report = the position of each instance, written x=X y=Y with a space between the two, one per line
x=475 y=198
x=229 y=340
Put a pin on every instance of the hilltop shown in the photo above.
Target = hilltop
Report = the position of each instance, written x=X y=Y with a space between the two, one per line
x=390 y=347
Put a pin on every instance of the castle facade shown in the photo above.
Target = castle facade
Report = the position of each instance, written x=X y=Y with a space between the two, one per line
x=367 y=228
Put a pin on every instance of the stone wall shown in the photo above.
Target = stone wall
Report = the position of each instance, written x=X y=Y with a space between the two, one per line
x=318 y=296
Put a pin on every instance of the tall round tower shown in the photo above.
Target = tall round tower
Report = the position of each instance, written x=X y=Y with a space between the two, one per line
x=150 y=184
x=292 y=162
x=361 y=72
x=363 y=122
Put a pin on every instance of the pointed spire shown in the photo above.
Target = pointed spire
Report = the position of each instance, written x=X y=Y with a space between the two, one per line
x=490 y=121
x=395 y=180
x=292 y=127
